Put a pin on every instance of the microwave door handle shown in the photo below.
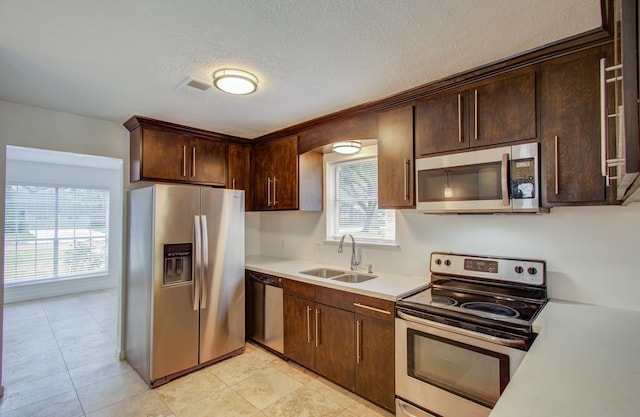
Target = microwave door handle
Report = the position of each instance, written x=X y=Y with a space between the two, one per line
x=461 y=331
x=505 y=179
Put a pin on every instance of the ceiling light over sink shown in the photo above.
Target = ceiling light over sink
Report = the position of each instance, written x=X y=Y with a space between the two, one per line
x=235 y=81
x=347 y=147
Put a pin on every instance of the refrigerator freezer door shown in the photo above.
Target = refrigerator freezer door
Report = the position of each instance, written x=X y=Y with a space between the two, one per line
x=175 y=323
x=222 y=317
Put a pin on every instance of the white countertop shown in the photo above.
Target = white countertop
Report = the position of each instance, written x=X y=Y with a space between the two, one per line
x=386 y=286
x=585 y=362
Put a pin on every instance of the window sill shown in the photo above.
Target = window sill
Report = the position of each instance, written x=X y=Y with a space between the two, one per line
x=371 y=244
x=52 y=280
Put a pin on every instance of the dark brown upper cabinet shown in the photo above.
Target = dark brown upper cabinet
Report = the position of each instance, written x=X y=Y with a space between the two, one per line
x=275 y=174
x=395 y=159
x=239 y=162
x=571 y=130
x=161 y=151
x=499 y=110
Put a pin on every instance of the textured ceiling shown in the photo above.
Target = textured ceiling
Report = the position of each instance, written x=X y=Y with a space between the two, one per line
x=113 y=59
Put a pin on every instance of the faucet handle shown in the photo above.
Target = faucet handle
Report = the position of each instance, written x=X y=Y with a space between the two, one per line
x=370 y=268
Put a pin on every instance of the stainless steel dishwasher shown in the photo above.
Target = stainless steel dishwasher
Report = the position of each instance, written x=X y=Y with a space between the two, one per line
x=265 y=310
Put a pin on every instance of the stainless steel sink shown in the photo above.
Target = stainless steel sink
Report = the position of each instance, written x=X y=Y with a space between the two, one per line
x=354 y=278
x=323 y=273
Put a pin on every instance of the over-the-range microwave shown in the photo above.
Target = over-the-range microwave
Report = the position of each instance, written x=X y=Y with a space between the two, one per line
x=498 y=180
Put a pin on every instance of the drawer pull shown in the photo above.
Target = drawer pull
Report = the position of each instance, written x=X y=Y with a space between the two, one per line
x=379 y=310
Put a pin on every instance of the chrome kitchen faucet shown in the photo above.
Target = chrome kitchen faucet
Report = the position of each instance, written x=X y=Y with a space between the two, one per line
x=354 y=262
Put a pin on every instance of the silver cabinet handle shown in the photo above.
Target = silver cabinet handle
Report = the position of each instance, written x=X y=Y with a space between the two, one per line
x=557 y=184
x=317 y=331
x=461 y=331
x=193 y=161
x=205 y=263
x=269 y=192
x=372 y=308
x=308 y=324
x=233 y=183
x=195 y=280
x=505 y=179
x=407 y=172
x=475 y=114
x=358 y=338
x=460 y=118
x=275 y=199
x=184 y=160
x=603 y=119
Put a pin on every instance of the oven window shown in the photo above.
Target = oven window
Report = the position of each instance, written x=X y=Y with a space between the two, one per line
x=462 y=183
x=474 y=373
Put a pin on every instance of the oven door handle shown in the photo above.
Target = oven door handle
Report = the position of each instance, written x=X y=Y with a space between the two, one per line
x=461 y=331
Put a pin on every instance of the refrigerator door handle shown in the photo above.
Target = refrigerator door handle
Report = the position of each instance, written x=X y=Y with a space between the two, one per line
x=205 y=264
x=197 y=276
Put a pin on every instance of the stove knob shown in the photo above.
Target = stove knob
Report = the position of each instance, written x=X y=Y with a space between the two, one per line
x=447 y=262
x=518 y=269
x=438 y=261
x=531 y=270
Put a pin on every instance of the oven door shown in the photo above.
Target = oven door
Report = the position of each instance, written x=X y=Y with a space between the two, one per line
x=447 y=373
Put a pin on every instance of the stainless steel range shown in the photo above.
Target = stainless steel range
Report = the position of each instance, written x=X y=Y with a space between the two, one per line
x=459 y=342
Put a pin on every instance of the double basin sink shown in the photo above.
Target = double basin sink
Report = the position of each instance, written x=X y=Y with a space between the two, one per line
x=337 y=275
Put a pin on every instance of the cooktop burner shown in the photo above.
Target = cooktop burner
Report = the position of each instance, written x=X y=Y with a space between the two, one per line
x=491 y=309
x=441 y=299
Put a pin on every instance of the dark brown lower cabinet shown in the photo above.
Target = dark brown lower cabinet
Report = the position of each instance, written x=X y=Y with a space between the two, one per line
x=335 y=348
x=298 y=330
x=350 y=342
x=375 y=372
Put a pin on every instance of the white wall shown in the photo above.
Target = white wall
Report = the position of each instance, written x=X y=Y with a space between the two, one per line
x=591 y=252
x=38 y=128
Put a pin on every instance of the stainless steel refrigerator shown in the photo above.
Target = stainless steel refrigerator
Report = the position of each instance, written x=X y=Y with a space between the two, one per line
x=185 y=279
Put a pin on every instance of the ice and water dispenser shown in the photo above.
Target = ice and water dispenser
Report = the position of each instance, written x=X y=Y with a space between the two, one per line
x=177 y=263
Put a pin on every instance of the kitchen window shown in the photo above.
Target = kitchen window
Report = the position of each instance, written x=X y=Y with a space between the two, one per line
x=54 y=232
x=352 y=199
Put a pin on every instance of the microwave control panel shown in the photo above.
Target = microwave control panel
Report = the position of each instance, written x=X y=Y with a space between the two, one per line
x=523 y=178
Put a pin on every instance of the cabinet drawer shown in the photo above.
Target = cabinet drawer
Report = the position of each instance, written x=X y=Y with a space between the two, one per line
x=299 y=289
x=335 y=298
x=374 y=307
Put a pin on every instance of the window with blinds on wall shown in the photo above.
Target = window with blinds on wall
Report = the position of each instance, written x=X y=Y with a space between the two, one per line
x=353 y=202
x=54 y=232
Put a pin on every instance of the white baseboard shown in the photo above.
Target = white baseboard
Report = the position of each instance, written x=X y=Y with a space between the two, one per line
x=45 y=289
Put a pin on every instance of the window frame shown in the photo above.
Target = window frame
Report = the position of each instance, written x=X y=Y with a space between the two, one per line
x=56 y=239
x=330 y=162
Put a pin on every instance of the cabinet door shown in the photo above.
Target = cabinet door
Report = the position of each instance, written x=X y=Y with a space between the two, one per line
x=299 y=330
x=375 y=360
x=375 y=350
x=262 y=176
x=284 y=153
x=208 y=162
x=503 y=110
x=570 y=128
x=395 y=158
x=239 y=170
x=165 y=155
x=335 y=345
x=441 y=124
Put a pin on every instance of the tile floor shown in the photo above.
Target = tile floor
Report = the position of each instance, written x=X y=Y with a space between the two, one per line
x=60 y=361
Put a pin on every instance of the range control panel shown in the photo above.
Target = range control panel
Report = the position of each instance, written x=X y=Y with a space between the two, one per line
x=523 y=271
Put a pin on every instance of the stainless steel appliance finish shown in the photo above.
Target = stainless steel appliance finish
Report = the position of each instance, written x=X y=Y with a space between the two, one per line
x=185 y=279
x=498 y=180
x=459 y=342
x=266 y=324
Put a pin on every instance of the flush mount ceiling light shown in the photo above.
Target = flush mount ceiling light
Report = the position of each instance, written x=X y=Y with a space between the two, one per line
x=235 y=81
x=347 y=148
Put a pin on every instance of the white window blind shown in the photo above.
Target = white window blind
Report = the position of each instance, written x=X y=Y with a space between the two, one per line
x=55 y=232
x=353 y=203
